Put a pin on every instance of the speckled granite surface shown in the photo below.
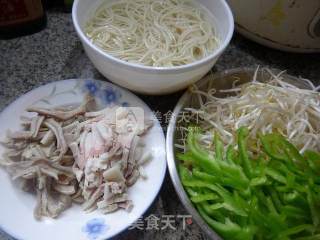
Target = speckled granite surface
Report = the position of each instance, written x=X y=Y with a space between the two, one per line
x=56 y=53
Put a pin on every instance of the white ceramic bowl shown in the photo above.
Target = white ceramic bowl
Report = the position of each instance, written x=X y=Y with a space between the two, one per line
x=153 y=80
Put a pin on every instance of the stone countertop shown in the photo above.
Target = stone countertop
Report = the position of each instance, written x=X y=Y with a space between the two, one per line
x=56 y=53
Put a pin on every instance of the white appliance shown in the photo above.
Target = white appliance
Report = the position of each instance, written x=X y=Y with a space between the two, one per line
x=290 y=25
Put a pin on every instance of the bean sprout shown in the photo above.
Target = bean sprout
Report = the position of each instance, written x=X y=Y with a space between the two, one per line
x=272 y=106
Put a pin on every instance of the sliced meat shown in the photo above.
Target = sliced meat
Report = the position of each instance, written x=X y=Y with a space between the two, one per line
x=133 y=177
x=56 y=128
x=48 y=138
x=127 y=205
x=69 y=155
x=35 y=125
x=93 y=199
x=64 y=189
x=32 y=132
x=78 y=158
x=109 y=209
x=62 y=115
x=114 y=174
x=117 y=187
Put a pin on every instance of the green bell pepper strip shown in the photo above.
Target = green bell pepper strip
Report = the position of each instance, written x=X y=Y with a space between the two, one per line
x=191 y=191
x=276 y=175
x=204 y=197
x=234 y=182
x=242 y=135
x=298 y=199
x=218 y=215
x=184 y=173
x=229 y=202
x=272 y=146
x=278 y=148
x=271 y=206
x=313 y=159
x=275 y=198
x=292 y=152
x=295 y=213
x=229 y=229
x=276 y=195
x=290 y=197
x=314 y=237
x=218 y=147
x=231 y=155
x=186 y=158
x=213 y=166
x=258 y=181
x=271 y=224
x=315 y=215
x=295 y=230
x=234 y=172
x=201 y=157
x=197 y=197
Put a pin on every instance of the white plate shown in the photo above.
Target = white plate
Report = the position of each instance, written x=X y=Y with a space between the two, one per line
x=16 y=206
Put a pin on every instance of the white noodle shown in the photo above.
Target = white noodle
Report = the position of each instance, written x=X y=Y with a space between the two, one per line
x=156 y=33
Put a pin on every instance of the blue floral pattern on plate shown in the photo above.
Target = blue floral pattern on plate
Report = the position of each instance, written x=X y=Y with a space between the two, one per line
x=95 y=228
x=125 y=104
x=110 y=95
x=107 y=94
x=92 y=87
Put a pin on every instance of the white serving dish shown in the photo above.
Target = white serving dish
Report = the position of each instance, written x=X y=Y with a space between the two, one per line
x=16 y=208
x=153 y=80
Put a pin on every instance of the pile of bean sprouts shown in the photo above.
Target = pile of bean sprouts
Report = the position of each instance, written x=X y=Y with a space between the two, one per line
x=156 y=33
x=263 y=107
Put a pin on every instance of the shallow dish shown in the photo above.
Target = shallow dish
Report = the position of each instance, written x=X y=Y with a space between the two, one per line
x=222 y=80
x=16 y=206
x=153 y=80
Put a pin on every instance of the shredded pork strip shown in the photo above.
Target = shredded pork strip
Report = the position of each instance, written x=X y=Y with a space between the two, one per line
x=71 y=155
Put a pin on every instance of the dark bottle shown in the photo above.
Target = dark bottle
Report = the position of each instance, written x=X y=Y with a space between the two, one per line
x=21 y=17
x=68 y=5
